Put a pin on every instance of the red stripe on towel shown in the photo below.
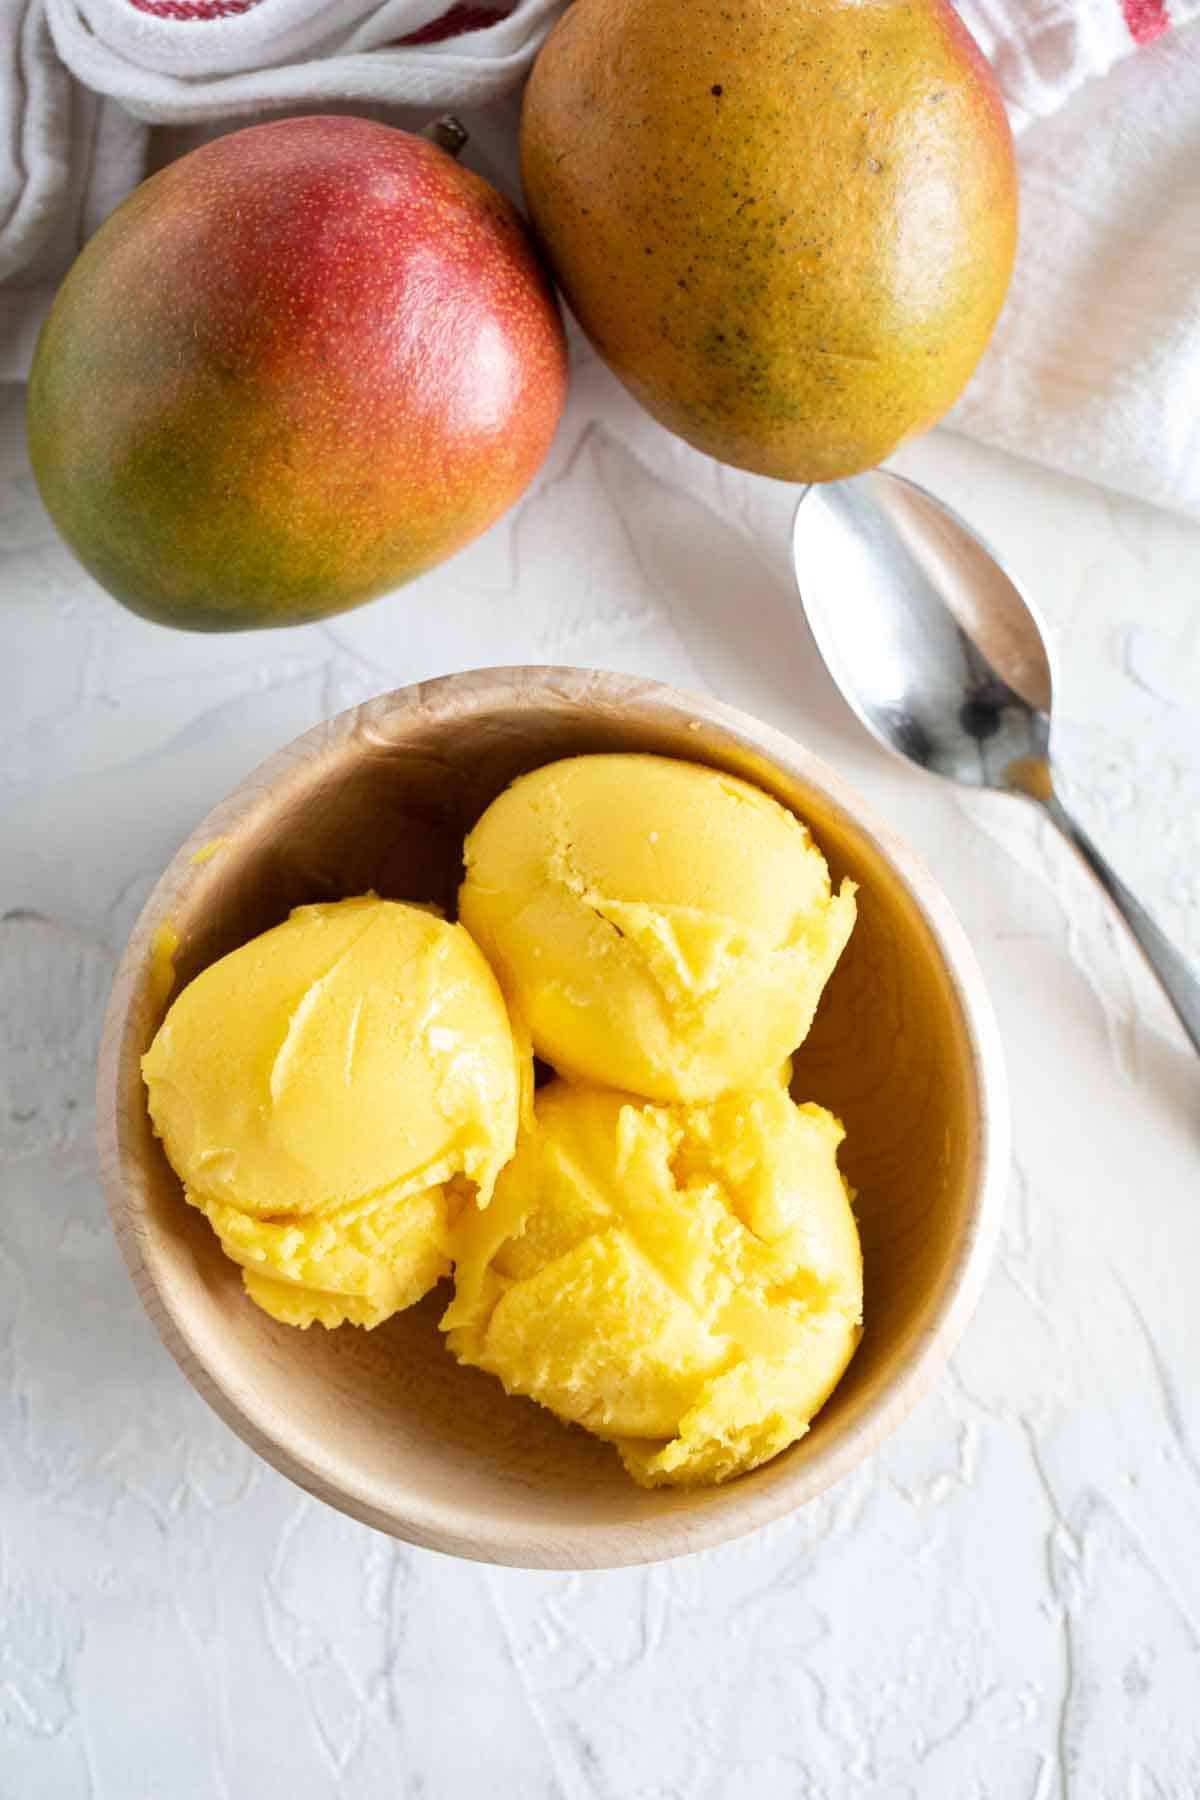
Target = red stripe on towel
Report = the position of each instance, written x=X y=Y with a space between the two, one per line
x=194 y=9
x=461 y=17
x=1146 y=19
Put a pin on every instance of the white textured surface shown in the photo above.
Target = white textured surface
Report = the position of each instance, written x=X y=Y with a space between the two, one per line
x=1006 y=1602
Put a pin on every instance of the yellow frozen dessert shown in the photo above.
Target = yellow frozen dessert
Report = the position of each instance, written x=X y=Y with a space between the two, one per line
x=658 y=926
x=331 y=1095
x=684 y=1280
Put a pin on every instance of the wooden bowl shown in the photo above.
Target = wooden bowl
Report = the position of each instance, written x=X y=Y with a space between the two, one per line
x=384 y=1424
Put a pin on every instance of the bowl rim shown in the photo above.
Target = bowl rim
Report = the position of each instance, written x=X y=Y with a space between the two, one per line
x=444 y=1526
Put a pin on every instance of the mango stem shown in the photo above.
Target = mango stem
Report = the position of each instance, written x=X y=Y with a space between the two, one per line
x=447 y=133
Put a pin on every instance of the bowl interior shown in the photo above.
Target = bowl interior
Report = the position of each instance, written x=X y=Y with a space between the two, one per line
x=386 y=1424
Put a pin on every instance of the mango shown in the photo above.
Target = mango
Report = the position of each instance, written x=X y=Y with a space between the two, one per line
x=296 y=368
x=787 y=225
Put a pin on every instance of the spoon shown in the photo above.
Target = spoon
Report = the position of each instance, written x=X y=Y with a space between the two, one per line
x=943 y=659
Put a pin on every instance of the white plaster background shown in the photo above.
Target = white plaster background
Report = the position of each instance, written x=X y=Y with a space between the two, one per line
x=1004 y=1603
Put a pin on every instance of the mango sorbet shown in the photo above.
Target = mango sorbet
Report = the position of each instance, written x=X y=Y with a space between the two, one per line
x=330 y=1095
x=658 y=926
x=684 y=1280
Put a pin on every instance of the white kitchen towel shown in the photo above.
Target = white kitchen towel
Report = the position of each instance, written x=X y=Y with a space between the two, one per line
x=1095 y=368
x=1095 y=365
x=1044 y=50
x=188 y=61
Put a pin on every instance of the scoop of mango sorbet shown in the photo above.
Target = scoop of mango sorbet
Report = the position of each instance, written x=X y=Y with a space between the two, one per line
x=684 y=1280
x=330 y=1095
x=659 y=926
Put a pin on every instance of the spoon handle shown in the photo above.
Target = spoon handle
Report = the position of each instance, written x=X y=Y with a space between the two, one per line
x=1177 y=981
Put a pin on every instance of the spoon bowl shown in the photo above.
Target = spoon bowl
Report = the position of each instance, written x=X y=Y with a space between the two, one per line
x=943 y=658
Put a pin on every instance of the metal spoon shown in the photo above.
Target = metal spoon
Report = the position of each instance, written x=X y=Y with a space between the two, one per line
x=943 y=659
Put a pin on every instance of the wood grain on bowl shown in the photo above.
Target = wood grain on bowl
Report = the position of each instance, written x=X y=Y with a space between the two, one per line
x=385 y=1425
